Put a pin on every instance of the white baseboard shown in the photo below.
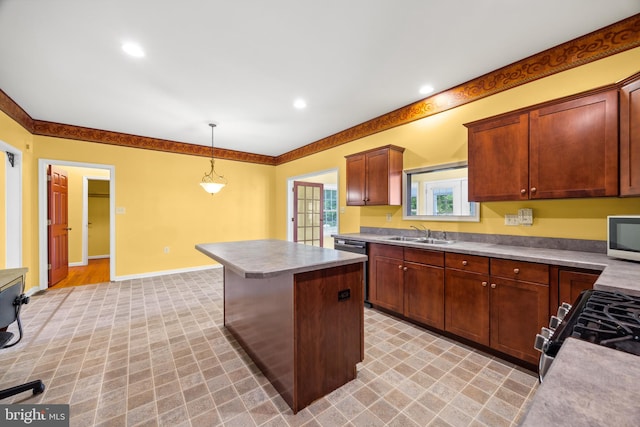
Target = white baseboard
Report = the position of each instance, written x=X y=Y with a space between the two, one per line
x=76 y=264
x=165 y=272
x=98 y=256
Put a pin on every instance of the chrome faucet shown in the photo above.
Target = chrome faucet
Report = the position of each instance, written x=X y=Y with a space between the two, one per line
x=425 y=230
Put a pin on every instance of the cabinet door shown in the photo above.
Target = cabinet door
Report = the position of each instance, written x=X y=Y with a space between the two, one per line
x=571 y=283
x=499 y=159
x=630 y=139
x=518 y=311
x=424 y=294
x=574 y=148
x=386 y=287
x=377 y=176
x=467 y=305
x=356 y=180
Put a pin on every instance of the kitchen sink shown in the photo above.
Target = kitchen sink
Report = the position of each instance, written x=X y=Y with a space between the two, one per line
x=426 y=240
x=405 y=238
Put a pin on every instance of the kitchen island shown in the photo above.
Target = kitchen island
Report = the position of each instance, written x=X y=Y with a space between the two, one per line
x=296 y=310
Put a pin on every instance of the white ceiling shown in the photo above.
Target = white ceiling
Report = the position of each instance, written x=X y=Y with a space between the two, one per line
x=241 y=64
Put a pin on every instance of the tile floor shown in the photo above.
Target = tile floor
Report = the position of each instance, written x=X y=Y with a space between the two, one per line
x=153 y=352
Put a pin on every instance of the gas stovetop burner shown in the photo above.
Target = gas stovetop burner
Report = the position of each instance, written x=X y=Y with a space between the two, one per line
x=609 y=319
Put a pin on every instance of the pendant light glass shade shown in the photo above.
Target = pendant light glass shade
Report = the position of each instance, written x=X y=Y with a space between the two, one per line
x=212 y=182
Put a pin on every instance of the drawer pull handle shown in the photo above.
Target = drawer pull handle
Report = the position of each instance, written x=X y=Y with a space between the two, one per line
x=465 y=262
x=493 y=286
x=484 y=283
x=516 y=270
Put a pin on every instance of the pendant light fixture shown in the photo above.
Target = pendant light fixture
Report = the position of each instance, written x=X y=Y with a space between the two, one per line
x=212 y=182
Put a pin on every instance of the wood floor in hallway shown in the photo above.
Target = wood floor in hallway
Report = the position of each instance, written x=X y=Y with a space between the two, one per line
x=97 y=271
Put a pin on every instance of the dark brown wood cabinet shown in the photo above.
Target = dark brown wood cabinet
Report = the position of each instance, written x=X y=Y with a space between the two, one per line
x=467 y=297
x=499 y=159
x=386 y=283
x=519 y=306
x=571 y=283
x=630 y=138
x=561 y=149
x=374 y=177
x=504 y=309
x=424 y=286
x=408 y=281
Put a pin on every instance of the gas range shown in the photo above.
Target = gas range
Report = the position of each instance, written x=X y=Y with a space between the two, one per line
x=610 y=319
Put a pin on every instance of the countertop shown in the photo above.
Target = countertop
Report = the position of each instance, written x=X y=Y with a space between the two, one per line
x=260 y=259
x=618 y=275
x=587 y=384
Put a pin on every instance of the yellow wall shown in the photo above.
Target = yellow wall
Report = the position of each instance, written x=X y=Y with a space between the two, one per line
x=98 y=216
x=442 y=138
x=165 y=207
x=76 y=177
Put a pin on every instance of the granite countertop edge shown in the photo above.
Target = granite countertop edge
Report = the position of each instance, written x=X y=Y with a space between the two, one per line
x=262 y=259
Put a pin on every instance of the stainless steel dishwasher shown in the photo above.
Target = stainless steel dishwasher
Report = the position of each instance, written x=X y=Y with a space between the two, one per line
x=357 y=247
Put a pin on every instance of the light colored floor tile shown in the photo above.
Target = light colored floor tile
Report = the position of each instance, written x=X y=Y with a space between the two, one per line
x=154 y=352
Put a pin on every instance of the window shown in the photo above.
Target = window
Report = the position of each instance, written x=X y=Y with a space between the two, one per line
x=330 y=214
x=438 y=193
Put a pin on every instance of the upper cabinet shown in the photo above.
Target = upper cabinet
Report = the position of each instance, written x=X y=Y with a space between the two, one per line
x=374 y=177
x=561 y=149
x=630 y=138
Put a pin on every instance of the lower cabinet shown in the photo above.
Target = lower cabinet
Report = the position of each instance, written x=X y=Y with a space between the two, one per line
x=386 y=277
x=571 y=283
x=503 y=310
x=408 y=281
x=501 y=304
x=424 y=286
x=467 y=305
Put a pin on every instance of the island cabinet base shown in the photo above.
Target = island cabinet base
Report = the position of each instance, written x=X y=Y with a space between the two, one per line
x=305 y=331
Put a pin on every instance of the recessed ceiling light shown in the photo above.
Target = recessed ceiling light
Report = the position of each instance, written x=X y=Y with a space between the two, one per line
x=133 y=49
x=299 y=104
x=426 y=89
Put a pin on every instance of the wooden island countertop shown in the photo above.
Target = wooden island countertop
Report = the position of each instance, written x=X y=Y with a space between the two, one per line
x=297 y=311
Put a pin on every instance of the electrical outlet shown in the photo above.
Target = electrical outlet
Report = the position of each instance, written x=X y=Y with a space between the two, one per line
x=388 y=217
x=511 y=219
x=525 y=216
x=166 y=249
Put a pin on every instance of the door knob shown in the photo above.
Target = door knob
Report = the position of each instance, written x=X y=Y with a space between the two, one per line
x=68 y=228
x=493 y=286
x=484 y=283
x=516 y=270
x=523 y=191
x=465 y=262
x=534 y=189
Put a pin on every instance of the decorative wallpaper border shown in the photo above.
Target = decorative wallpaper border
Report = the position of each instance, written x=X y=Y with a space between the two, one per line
x=615 y=38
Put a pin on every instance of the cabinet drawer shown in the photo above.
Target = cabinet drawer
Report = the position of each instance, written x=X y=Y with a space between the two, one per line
x=422 y=256
x=389 y=251
x=477 y=264
x=520 y=270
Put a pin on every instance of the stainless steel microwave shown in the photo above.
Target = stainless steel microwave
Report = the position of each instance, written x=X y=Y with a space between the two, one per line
x=623 y=237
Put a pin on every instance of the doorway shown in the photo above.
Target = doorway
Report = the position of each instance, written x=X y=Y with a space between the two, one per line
x=80 y=171
x=329 y=180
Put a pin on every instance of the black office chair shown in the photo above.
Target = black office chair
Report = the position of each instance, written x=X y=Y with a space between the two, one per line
x=11 y=300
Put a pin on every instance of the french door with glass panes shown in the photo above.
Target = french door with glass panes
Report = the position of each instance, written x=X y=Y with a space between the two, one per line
x=307 y=213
